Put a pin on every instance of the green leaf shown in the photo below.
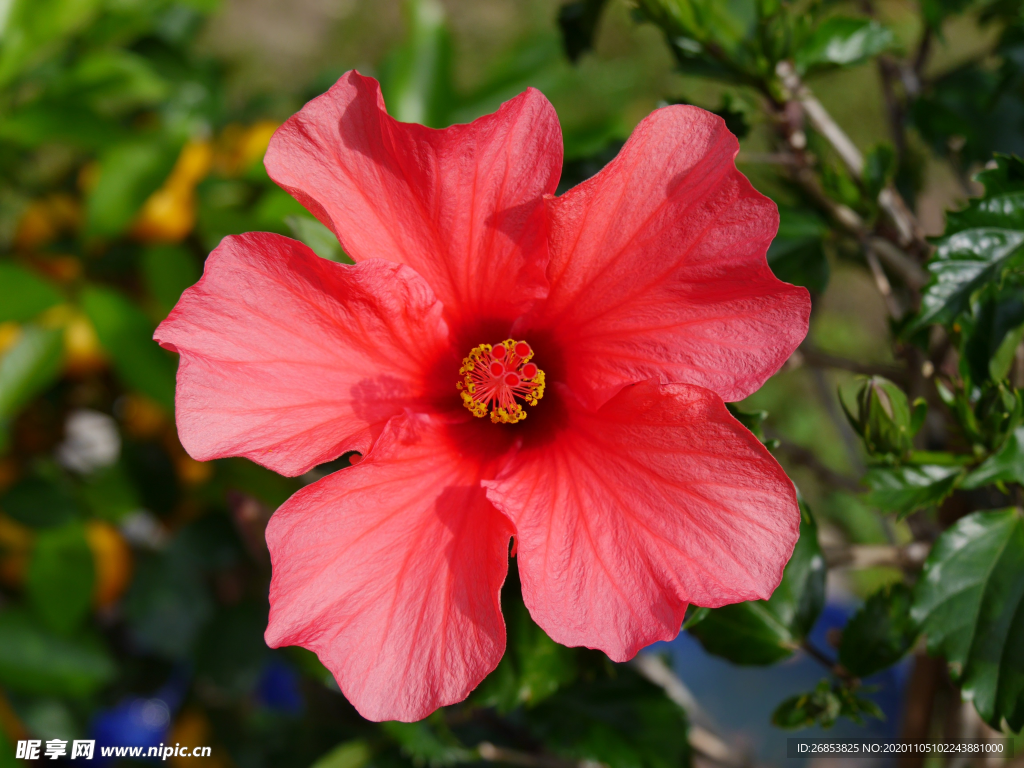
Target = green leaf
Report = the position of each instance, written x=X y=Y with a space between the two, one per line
x=31 y=28
x=348 y=754
x=797 y=254
x=416 y=78
x=841 y=41
x=614 y=717
x=39 y=503
x=879 y=168
x=911 y=487
x=60 y=575
x=1004 y=466
x=168 y=270
x=970 y=603
x=982 y=246
x=963 y=264
x=767 y=631
x=61 y=122
x=23 y=294
x=991 y=334
x=534 y=666
x=578 y=22
x=35 y=661
x=115 y=81
x=823 y=706
x=129 y=173
x=318 y=237
x=127 y=335
x=26 y=369
x=880 y=633
x=818 y=707
x=429 y=742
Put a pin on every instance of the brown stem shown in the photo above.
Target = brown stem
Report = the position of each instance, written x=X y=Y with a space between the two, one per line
x=815 y=357
x=807 y=458
x=494 y=754
x=889 y=200
x=834 y=667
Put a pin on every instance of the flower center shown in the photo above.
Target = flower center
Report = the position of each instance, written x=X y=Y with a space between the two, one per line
x=493 y=377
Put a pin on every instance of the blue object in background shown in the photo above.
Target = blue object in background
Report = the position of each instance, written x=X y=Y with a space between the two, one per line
x=739 y=700
x=278 y=688
x=138 y=721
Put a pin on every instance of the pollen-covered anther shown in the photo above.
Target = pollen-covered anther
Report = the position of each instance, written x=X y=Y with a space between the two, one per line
x=495 y=378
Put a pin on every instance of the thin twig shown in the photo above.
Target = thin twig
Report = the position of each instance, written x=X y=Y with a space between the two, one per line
x=909 y=271
x=888 y=199
x=816 y=358
x=494 y=754
x=858 y=556
x=834 y=667
x=882 y=281
x=701 y=735
x=807 y=458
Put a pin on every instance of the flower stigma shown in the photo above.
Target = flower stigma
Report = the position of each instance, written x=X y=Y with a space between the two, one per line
x=494 y=376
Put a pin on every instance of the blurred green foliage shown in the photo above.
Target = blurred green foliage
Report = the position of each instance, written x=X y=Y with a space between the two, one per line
x=130 y=571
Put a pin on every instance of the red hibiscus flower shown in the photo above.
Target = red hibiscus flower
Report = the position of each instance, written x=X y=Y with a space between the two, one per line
x=511 y=364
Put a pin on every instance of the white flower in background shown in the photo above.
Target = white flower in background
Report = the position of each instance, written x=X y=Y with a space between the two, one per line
x=91 y=441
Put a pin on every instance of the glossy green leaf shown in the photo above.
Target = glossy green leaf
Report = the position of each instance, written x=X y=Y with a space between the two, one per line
x=963 y=264
x=60 y=576
x=991 y=335
x=767 y=631
x=983 y=243
x=842 y=41
x=1005 y=466
x=797 y=254
x=23 y=294
x=970 y=603
x=26 y=369
x=127 y=335
x=911 y=487
x=35 y=661
x=1002 y=205
x=168 y=270
x=880 y=633
x=129 y=173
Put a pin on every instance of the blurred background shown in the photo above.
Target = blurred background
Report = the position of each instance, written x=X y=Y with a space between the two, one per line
x=133 y=579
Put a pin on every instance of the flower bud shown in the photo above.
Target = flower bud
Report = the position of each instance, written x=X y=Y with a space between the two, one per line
x=884 y=418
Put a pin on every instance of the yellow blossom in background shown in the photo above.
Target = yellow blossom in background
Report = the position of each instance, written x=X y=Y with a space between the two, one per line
x=9 y=334
x=113 y=561
x=169 y=214
x=47 y=219
x=239 y=147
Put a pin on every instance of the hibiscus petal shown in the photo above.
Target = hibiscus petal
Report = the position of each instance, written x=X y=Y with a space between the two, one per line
x=658 y=267
x=390 y=571
x=659 y=499
x=290 y=360
x=463 y=206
